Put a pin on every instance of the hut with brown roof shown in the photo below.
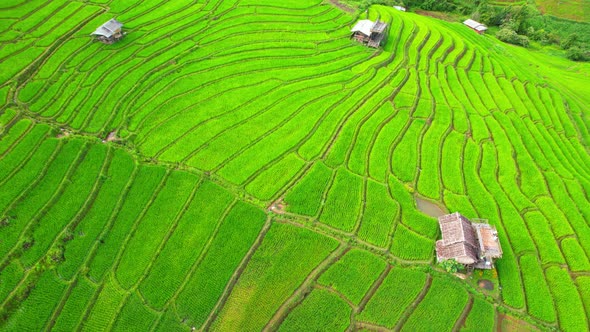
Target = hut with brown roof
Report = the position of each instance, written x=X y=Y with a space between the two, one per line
x=472 y=244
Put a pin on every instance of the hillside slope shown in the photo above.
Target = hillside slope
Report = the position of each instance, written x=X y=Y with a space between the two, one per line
x=578 y=10
x=136 y=178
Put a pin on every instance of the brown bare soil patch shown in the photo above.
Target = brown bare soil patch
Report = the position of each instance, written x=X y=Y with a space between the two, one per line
x=485 y=284
x=508 y=323
x=63 y=133
x=279 y=206
x=112 y=136
x=461 y=276
x=342 y=6
x=439 y=15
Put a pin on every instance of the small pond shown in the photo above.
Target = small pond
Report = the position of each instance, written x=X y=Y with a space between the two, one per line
x=429 y=208
x=485 y=284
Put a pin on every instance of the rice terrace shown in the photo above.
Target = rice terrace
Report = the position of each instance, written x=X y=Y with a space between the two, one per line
x=264 y=165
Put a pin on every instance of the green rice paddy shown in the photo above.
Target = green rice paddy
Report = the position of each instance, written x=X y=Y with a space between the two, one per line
x=242 y=165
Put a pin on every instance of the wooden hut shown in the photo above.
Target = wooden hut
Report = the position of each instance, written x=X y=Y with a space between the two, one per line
x=370 y=33
x=472 y=244
x=476 y=26
x=109 y=32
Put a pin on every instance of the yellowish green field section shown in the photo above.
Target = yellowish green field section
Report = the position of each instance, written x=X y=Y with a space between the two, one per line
x=242 y=165
x=577 y=10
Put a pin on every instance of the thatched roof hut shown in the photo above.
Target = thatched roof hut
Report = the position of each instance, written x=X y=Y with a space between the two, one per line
x=472 y=244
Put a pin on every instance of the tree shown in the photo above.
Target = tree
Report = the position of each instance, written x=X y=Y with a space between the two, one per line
x=451 y=265
x=518 y=18
x=510 y=36
x=569 y=41
x=490 y=15
x=577 y=54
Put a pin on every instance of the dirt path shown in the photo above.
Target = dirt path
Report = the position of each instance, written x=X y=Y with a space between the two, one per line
x=410 y=309
x=460 y=323
x=342 y=6
x=373 y=288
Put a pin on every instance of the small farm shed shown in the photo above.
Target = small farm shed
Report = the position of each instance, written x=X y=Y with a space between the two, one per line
x=400 y=8
x=109 y=32
x=472 y=244
x=370 y=33
x=476 y=26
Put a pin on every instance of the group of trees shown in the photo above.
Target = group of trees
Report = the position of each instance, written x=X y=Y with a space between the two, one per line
x=518 y=24
x=434 y=5
x=575 y=50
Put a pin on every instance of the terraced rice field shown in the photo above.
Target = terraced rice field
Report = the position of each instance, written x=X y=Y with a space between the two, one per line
x=242 y=165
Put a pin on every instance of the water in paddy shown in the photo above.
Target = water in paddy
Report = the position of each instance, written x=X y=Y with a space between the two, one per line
x=429 y=208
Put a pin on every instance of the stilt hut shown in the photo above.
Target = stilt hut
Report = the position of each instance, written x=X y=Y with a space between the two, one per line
x=370 y=33
x=474 y=245
x=109 y=32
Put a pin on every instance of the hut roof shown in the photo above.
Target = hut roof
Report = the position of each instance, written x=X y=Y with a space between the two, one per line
x=475 y=25
x=378 y=27
x=489 y=243
x=109 y=28
x=463 y=253
x=467 y=242
x=363 y=26
x=456 y=228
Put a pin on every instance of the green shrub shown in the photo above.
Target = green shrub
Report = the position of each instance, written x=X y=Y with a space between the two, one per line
x=569 y=41
x=510 y=36
x=451 y=265
x=578 y=54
